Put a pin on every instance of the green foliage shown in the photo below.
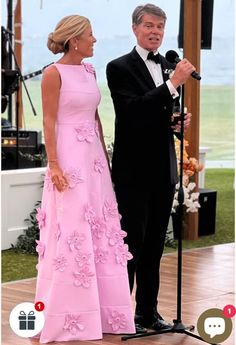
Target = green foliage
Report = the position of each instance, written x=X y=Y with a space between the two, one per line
x=26 y=242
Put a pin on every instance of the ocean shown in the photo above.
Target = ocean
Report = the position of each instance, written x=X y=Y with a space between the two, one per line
x=217 y=64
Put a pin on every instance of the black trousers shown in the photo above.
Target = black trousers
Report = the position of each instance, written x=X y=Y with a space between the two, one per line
x=145 y=212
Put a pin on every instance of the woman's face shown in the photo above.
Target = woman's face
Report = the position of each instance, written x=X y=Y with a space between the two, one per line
x=85 y=43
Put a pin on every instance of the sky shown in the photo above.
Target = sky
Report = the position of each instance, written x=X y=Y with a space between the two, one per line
x=111 y=17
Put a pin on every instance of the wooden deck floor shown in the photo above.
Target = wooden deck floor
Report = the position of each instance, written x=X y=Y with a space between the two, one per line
x=208 y=282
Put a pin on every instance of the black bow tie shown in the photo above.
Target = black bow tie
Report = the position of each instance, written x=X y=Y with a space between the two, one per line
x=155 y=58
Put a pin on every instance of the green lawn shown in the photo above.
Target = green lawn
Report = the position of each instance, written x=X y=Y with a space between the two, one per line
x=16 y=266
x=216 y=117
x=21 y=266
x=217 y=121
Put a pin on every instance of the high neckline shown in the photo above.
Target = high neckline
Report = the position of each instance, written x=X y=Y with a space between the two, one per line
x=68 y=64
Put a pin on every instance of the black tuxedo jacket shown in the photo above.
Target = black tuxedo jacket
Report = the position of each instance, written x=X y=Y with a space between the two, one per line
x=144 y=149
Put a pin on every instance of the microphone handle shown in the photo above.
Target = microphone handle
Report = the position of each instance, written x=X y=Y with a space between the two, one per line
x=194 y=74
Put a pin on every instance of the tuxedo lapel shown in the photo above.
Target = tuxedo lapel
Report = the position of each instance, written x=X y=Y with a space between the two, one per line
x=140 y=69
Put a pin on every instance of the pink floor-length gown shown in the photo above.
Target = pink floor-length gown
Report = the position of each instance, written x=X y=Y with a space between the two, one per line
x=82 y=268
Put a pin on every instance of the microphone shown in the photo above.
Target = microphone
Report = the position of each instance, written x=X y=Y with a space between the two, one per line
x=173 y=57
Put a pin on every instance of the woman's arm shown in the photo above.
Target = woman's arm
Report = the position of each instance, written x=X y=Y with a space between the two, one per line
x=97 y=118
x=50 y=86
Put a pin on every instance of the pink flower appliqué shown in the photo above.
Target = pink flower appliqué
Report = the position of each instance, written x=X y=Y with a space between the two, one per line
x=97 y=227
x=41 y=217
x=75 y=241
x=60 y=263
x=99 y=165
x=123 y=255
x=117 y=320
x=83 y=259
x=73 y=323
x=74 y=177
x=100 y=255
x=110 y=209
x=83 y=277
x=40 y=248
x=86 y=131
x=89 y=67
x=89 y=214
x=115 y=236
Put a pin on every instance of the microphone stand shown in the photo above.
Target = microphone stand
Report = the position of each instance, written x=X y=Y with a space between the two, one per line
x=178 y=326
x=21 y=78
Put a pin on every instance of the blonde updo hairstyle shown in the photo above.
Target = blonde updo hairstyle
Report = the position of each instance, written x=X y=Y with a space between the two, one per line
x=67 y=28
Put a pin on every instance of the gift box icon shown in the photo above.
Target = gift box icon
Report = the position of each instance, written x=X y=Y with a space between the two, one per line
x=26 y=321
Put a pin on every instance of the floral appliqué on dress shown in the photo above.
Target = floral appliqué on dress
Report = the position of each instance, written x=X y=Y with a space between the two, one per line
x=98 y=227
x=115 y=236
x=117 y=320
x=60 y=263
x=83 y=259
x=75 y=241
x=123 y=255
x=40 y=248
x=89 y=67
x=41 y=217
x=100 y=255
x=74 y=177
x=110 y=209
x=99 y=165
x=73 y=324
x=83 y=277
x=86 y=131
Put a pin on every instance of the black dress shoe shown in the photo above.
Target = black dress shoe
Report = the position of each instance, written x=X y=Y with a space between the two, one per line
x=153 y=321
x=140 y=329
x=160 y=325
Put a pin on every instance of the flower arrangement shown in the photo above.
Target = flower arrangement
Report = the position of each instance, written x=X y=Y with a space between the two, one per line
x=190 y=167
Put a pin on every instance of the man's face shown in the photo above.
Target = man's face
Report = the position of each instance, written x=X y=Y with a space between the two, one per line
x=150 y=32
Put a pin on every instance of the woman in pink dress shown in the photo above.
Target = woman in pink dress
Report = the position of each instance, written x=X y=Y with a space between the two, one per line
x=82 y=274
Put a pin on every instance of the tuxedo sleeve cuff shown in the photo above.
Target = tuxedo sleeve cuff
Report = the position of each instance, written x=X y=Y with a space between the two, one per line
x=174 y=93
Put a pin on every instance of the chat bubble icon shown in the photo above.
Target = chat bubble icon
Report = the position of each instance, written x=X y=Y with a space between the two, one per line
x=214 y=326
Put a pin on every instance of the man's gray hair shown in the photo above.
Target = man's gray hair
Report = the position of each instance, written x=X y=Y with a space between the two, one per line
x=147 y=9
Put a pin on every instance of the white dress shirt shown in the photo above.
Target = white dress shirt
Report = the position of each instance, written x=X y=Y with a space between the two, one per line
x=155 y=70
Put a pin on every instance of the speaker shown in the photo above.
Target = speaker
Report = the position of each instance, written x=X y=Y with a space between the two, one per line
x=29 y=145
x=206 y=25
x=207 y=212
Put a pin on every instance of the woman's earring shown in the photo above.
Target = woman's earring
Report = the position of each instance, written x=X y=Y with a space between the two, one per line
x=76 y=48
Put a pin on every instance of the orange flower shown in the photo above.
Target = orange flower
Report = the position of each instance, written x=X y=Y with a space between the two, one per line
x=190 y=164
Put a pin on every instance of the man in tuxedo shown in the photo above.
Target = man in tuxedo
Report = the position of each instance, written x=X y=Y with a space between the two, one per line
x=144 y=169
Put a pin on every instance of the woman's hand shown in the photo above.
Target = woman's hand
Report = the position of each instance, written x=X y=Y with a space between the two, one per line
x=57 y=178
